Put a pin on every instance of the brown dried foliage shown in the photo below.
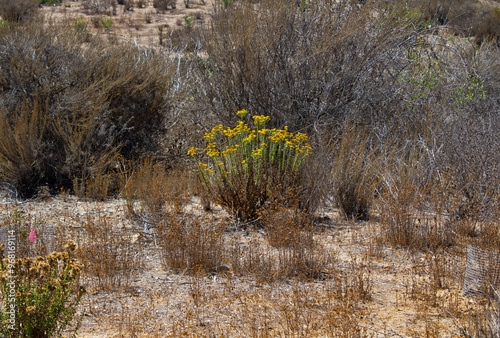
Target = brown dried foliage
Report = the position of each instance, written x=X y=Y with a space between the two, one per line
x=89 y=104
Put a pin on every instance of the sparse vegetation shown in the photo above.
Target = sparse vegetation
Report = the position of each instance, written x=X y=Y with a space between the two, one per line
x=357 y=193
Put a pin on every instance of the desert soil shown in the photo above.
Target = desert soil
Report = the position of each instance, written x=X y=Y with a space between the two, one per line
x=157 y=301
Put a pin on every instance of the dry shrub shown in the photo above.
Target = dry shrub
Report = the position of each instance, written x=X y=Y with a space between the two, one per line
x=22 y=145
x=305 y=68
x=290 y=250
x=90 y=104
x=97 y=188
x=287 y=228
x=185 y=38
x=191 y=244
x=484 y=323
x=97 y=6
x=404 y=205
x=162 y=5
x=489 y=27
x=18 y=10
x=298 y=254
x=472 y=17
x=431 y=273
x=469 y=156
x=356 y=169
x=302 y=262
x=455 y=13
x=110 y=253
x=156 y=186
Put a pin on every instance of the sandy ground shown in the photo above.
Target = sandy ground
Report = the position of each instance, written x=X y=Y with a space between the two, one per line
x=156 y=301
x=139 y=26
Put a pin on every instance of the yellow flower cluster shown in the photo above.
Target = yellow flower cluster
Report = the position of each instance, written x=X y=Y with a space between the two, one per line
x=280 y=135
x=241 y=113
x=249 y=137
x=241 y=128
x=257 y=152
x=213 y=153
x=256 y=142
x=215 y=130
x=265 y=132
x=301 y=137
x=298 y=147
x=260 y=120
x=229 y=150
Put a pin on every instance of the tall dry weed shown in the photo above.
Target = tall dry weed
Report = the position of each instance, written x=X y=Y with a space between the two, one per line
x=357 y=168
x=191 y=244
x=404 y=204
x=110 y=253
x=156 y=188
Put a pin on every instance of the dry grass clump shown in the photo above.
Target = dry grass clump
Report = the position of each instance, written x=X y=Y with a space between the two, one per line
x=287 y=227
x=287 y=250
x=357 y=168
x=405 y=202
x=110 y=253
x=157 y=188
x=191 y=244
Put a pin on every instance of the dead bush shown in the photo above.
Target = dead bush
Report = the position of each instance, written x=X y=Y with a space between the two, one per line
x=290 y=250
x=18 y=10
x=489 y=27
x=287 y=228
x=110 y=253
x=191 y=244
x=469 y=156
x=162 y=5
x=157 y=188
x=469 y=17
x=185 y=38
x=356 y=170
x=404 y=202
x=305 y=68
x=95 y=103
x=97 y=6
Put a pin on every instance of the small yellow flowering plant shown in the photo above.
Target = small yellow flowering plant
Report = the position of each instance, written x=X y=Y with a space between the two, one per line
x=40 y=295
x=243 y=165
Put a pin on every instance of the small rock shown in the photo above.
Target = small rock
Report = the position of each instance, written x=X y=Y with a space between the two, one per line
x=135 y=238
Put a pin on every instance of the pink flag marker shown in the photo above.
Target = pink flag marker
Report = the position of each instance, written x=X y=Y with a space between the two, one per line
x=32 y=236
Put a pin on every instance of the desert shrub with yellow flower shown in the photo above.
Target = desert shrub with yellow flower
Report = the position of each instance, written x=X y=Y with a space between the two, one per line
x=39 y=296
x=242 y=167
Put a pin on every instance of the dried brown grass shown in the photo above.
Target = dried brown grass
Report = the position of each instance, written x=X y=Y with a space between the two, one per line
x=109 y=252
